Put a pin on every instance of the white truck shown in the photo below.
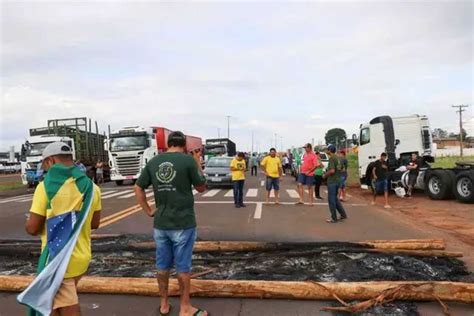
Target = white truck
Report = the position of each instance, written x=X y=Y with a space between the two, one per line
x=399 y=137
x=130 y=148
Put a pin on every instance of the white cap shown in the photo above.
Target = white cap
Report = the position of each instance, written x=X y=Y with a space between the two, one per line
x=56 y=148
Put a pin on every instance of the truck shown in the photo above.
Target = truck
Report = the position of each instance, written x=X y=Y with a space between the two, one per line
x=219 y=147
x=87 y=146
x=399 y=137
x=131 y=147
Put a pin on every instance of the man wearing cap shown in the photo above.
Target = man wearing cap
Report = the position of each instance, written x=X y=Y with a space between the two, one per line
x=334 y=182
x=306 y=176
x=172 y=175
x=65 y=206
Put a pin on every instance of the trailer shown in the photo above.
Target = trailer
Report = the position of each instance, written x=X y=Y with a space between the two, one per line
x=219 y=147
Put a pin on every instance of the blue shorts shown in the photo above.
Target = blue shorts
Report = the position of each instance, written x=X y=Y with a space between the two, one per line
x=174 y=246
x=381 y=186
x=306 y=180
x=343 y=181
x=273 y=183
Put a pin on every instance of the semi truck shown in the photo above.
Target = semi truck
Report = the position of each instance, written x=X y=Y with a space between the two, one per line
x=131 y=147
x=219 y=147
x=399 y=137
x=87 y=146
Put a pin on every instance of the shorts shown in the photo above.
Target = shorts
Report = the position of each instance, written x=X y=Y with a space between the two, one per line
x=381 y=186
x=67 y=294
x=412 y=177
x=343 y=182
x=305 y=179
x=174 y=247
x=273 y=183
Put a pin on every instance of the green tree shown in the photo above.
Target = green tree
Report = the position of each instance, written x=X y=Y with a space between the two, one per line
x=336 y=136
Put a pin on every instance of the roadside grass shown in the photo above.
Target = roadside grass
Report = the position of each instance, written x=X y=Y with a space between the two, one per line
x=352 y=171
x=449 y=162
x=11 y=186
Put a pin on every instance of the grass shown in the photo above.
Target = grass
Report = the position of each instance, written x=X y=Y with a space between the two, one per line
x=353 y=170
x=449 y=162
x=11 y=186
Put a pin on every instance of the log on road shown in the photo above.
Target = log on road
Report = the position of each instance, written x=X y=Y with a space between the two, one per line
x=415 y=290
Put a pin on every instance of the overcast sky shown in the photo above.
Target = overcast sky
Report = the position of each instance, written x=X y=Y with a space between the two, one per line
x=295 y=69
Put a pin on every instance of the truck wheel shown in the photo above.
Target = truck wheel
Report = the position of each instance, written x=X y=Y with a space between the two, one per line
x=439 y=185
x=119 y=182
x=464 y=187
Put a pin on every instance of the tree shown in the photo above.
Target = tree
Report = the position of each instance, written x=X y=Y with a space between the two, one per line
x=440 y=133
x=464 y=135
x=336 y=136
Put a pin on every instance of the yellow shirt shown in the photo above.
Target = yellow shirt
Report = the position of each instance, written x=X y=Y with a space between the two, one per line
x=67 y=197
x=240 y=165
x=272 y=165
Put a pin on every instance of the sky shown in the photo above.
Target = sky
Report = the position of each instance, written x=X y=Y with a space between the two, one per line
x=294 y=69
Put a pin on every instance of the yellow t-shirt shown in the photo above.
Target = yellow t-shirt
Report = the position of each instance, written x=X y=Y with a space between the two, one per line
x=240 y=174
x=66 y=199
x=272 y=165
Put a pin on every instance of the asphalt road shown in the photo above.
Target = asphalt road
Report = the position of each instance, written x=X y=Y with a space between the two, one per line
x=218 y=219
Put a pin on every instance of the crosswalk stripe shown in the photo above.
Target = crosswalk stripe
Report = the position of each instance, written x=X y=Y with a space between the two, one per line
x=293 y=194
x=116 y=194
x=252 y=193
x=258 y=211
x=229 y=193
x=12 y=199
x=262 y=183
x=108 y=192
x=211 y=193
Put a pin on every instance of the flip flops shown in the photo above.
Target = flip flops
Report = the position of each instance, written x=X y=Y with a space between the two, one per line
x=164 y=314
x=200 y=311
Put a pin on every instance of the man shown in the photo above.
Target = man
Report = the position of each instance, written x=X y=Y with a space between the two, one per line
x=238 y=167
x=99 y=172
x=253 y=164
x=66 y=198
x=343 y=168
x=286 y=164
x=414 y=169
x=333 y=182
x=81 y=166
x=272 y=168
x=172 y=175
x=379 y=176
x=306 y=176
x=318 y=177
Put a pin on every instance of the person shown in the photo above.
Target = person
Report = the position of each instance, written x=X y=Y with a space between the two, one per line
x=238 y=167
x=343 y=168
x=286 y=164
x=333 y=177
x=379 y=176
x=272 y=168
x=66 y=204
x=172 y=175
x=253 y=164
x=414 y=169
x=81 y=166
x=99 y=172
x=318 y=177
x=306 y=176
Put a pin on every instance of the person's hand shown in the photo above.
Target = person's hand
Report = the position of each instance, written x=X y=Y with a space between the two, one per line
x=150 y=212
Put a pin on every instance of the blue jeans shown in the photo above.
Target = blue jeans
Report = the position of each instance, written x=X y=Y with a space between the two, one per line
x=238 y=192
x=333 y=201
x=174 y=246
x=272 y=183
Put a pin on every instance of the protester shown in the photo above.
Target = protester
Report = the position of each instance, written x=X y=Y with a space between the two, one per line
x=286 y=164
x=81 y=166
x=172 y=175
x=306 y=176
x=253 y=164
x=318 y=177
x=238 y=167
x=343 y=168
x=333 y=182
x=379 y=176
x=414 y=169
x=99 y=172
x=65 y=205
x=271 y=166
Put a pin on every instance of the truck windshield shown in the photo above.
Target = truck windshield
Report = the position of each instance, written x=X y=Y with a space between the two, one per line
x=219 y=162
x=124 y=143
x=36 y=149
x=215 y=149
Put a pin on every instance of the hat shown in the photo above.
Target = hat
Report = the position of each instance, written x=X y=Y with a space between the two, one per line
x=332 y=148
x=56 y=148
x=308 y=145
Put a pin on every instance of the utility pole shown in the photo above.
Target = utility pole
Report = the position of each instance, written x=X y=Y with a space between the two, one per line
x=460 y=108
x=228 y=126
x=218 y=132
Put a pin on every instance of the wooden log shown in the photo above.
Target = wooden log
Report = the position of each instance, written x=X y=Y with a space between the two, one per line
x=414 y=290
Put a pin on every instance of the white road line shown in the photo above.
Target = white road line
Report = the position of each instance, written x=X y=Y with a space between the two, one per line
x=252 y=193
x=282 y=203
x=24 y=200
x=108 y=192
x=195 y=192
x=127 y=195
x=116 y=194
x=211 y=193
x=293 y=194
x=16 y=198
x=229 y=193
x=262 y=183
x=258 y=211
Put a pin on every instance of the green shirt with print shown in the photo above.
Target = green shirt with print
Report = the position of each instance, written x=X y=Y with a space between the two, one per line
x=172 y=176
x=336 y=176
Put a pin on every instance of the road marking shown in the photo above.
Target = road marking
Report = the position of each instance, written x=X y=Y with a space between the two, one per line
x=150 y=193
x=12 y=199
x=121 y=215
x=258 y=211
x=211 y=193
x=229 y=193
x=24 y=200
x=293 y=193
x=108 y=192
x=252 y=193
x=262 y=183
x=282 y=203
x=116 y=194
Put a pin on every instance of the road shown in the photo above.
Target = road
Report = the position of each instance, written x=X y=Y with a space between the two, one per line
x=218 y=219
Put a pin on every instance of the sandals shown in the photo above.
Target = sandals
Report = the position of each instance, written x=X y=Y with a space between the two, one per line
x=299 y=203
x=200 y=311
x=164 y=314
x=331 y=221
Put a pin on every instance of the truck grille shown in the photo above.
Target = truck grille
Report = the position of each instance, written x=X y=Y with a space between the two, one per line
x=128 y=166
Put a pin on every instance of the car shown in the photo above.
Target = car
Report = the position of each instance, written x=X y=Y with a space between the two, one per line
x=217 y=172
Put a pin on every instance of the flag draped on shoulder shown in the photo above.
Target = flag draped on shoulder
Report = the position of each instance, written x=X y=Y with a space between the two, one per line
x=63 y=224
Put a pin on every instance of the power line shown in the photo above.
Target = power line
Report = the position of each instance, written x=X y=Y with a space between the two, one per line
x=461 y=108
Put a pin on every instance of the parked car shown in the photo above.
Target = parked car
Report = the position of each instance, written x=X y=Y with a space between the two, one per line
x=217 y=171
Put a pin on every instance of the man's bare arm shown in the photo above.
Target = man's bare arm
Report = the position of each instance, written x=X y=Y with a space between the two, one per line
x=95 y=220
x=141 y=199
x=35 y=224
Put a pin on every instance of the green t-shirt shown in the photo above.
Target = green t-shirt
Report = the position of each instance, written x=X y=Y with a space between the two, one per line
x=172 y=176
x=333 y=164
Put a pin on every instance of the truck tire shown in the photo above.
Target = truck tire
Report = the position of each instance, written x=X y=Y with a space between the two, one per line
x=439 y=185
x=119 y=182
x=464 y=187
